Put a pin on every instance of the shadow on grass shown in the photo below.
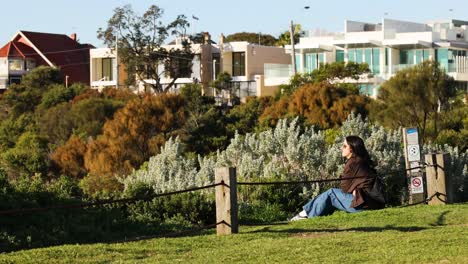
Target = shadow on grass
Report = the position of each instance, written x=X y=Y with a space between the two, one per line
x=441 y=219
x=337 y=230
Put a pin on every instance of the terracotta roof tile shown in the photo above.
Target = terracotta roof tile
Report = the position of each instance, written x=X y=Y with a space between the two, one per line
x=61 y=50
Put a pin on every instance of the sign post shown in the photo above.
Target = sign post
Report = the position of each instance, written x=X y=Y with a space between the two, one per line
x=413 y=160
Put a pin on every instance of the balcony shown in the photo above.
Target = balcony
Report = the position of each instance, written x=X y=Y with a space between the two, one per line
x=274 y=70
x=276 y=74
x=458 y=69
x=103 y=82
x=3 y=83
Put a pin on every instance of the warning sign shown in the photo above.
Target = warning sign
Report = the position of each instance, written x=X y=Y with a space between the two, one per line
x=417 y=185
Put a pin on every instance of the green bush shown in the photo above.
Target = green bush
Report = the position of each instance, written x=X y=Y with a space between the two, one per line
x=59 y=226
x=29 y=154
x=193 y=207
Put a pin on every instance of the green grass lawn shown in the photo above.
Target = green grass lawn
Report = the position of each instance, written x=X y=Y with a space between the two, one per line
x=420 y=234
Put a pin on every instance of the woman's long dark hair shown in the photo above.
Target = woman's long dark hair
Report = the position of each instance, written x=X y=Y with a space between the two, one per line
x=359 y=150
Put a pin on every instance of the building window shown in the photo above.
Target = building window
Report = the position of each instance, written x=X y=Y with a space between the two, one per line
x=216 y=60
x=298 y=61
x=359 y=56
x=186 y=65
x=387 y=56
x=107 y=68
x=370 y=56
x=313 y=61
x=321 y=59
x=15 y=80
x=238 y=64
x=15 y=65
x=414 y=56
x=30 y=64
x=366 y=89
x=339 y=55
x=442 y=57
x=446 y=58
x=352 y=55
x=375 y=61
x=407 y=57
x=310 y=62
x=403 y=57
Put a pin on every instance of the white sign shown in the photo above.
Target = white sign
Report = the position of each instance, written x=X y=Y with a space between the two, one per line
x=412 y=136
x=413 y=153
x=417 y=185
x=413 y=165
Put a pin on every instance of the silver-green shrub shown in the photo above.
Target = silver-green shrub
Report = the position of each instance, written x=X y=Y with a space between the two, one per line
x=288 y=153
x=167 y=171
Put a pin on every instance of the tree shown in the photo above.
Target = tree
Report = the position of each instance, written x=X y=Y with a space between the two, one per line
x=285 y=37
x=29 y=155
x=414 y=97
x=55 y=124
x=243 y=118
x=204 y=130
x=331 y=73
x=255 y=38
x=12 y=128
x=223 y=82
x=24 y=97
x=84 y=118
x=140 y=40
x=453 y=126
x=136 y=132
x=321 y=104
x=59 y=94
x=69 y=158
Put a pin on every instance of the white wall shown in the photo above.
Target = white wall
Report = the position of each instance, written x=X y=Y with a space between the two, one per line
x=102 y=53
x=391 y=27
x=3 y=67
x=354 y=26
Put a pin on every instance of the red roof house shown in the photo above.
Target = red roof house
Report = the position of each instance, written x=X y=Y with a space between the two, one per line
x=27 y=50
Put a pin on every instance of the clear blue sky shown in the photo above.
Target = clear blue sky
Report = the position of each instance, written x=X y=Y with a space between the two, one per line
x=266 y=16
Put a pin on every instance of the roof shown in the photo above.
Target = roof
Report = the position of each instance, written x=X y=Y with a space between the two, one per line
x=47 y=42
x=12 y=49
x=56 y=50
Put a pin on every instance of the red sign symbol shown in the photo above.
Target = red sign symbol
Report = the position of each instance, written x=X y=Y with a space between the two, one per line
x=416 y=182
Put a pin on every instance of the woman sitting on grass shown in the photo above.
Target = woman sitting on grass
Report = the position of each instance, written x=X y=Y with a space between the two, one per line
x=356 y=192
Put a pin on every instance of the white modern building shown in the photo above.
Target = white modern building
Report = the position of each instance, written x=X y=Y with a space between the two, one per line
x=103 y=69
x=386 y=47
x=242 y=60
x=106 y=72
x=245 y=62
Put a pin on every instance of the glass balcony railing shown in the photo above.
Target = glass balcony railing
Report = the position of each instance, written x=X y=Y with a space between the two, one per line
x=452 y=68
x=449 y=67
x=3 y=83
x=273 y=70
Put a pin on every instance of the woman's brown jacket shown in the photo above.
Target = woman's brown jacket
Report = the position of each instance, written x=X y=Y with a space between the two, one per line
x=365 y=177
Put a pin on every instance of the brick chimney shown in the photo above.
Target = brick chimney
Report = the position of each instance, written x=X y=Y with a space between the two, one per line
x=207 y=38
x=73 y=36
x=221 y=39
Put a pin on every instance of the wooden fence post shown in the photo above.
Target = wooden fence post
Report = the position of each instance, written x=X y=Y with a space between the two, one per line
x=438 y=181
x=226 y=201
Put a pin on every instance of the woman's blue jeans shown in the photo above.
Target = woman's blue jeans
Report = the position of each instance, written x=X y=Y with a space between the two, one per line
x=326 y=203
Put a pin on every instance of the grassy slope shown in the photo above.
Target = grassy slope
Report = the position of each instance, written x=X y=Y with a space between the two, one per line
x=421 y=234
